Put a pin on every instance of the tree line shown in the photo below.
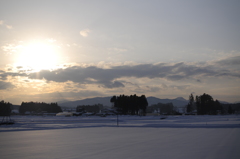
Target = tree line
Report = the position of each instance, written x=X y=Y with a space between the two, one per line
x=133 y=104
x=205 y=104
x=5 y=108
x=162 y=108
x=37 y=107
x=89 y=108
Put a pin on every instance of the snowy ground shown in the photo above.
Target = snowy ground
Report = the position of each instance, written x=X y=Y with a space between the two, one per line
x=180 y=137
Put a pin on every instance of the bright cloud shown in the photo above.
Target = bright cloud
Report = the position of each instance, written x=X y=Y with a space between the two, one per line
x=9 y=26
x=84 y=32
x=11 y=48
x=6 y=25
x=51 y=40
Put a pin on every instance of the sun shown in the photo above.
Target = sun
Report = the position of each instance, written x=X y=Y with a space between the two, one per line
x=38 y=56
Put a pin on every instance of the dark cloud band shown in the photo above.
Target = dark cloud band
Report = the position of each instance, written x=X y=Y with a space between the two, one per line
x=110 y=77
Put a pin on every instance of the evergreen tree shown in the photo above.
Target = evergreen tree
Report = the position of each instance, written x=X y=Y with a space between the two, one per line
x=113 y=100
x=206 y=105
x=230 y=111
x=130 y=104
x=36 y=107
x=198 y=105
x=190 y=104
x=218 y=107
x=5 y=108
x=143 y=104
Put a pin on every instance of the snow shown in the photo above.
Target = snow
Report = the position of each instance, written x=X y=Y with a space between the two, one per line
x=178 y=137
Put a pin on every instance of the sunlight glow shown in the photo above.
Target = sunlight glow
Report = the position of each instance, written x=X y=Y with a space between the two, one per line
x=38 y=56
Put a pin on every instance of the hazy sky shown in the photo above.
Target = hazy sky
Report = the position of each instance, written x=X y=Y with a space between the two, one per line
x=57 y=50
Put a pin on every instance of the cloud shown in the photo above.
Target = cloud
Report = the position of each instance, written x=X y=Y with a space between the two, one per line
x=11 y=48
x=9 y=26
x=118 y=76
x=198 y=80
x=59 y=96
x=114 y=84
x=230 y=61
x=4 y=75
x=110 y=77
x=51 y=40
x=117 y=49
x=153 y=89
x=5 y=85
x=84 y=32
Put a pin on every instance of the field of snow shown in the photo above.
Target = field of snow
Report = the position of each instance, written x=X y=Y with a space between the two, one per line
x=181 y=137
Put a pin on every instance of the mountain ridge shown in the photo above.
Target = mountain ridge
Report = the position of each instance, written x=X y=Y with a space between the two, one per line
x=178 y=102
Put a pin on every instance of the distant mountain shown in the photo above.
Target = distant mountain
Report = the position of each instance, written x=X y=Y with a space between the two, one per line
x=181 y=99
x=105 y=101
x=63 y=101
x=177 y=102
x=223 y=102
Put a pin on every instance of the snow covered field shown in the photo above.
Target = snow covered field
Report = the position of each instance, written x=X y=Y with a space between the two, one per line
x=180 y=137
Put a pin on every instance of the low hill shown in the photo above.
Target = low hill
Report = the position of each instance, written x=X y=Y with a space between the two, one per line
x=177 y=102
x=105 y=101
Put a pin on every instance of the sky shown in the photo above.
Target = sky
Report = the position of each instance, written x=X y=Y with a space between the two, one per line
x=55 y=50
